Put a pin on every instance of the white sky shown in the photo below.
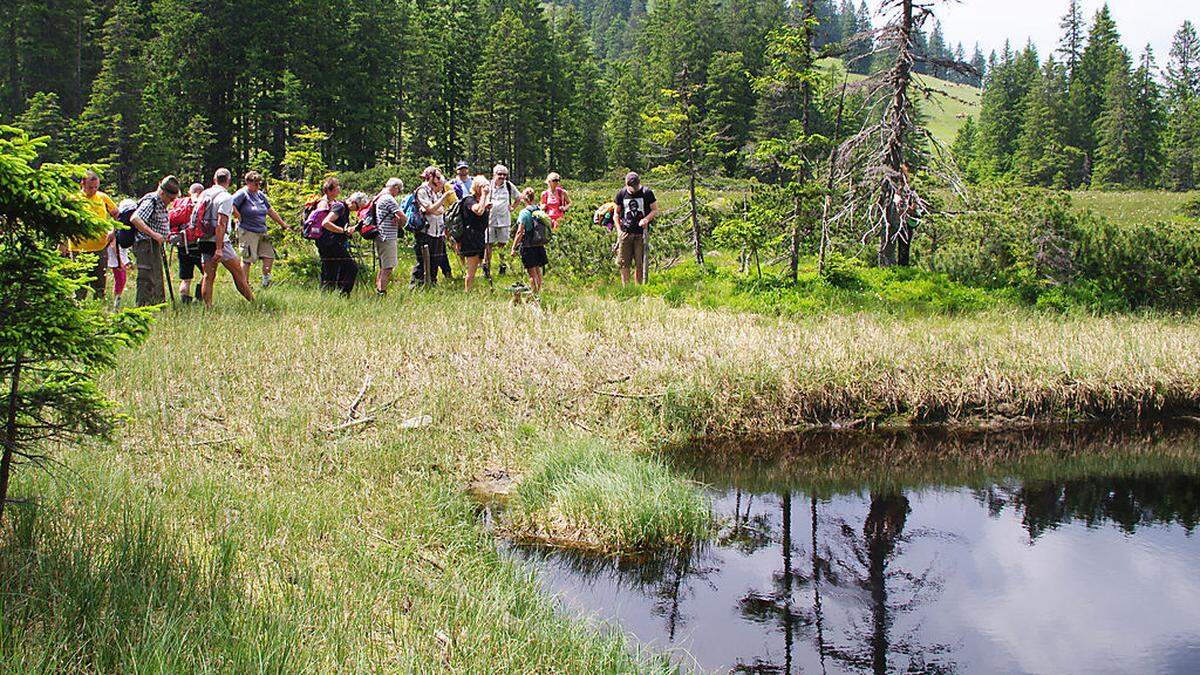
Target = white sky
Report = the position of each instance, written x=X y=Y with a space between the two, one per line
x=990 y=22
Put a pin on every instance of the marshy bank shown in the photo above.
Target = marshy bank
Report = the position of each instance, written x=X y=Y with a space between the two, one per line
x=1058 y=550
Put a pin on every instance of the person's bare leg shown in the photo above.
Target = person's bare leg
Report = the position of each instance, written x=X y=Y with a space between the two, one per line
x=535 y=279
x=469 y=277
x=240 y=278
x=206 y=283
x=382 y=279
x=487 y=257
x=624 y=276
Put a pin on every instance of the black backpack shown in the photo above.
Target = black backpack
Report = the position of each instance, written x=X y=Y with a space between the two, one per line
x=455 y=224
x=536 y=233
x=127 y=234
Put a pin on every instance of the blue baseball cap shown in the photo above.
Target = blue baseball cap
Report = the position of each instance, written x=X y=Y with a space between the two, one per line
x=462 y=165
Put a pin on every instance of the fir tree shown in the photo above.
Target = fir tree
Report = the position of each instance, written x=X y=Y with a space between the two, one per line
x=1116 y=129
x=43 y=117
x=1043 y=156
x=1070 y=46
x=1089 y=80
x=1183 y=68
x=730 y=103
x=1148 y=122
x=624 y=128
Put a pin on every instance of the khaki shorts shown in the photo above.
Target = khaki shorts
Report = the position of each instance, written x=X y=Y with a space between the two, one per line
x=255 y=245
x=631 y=250
x=387 y=251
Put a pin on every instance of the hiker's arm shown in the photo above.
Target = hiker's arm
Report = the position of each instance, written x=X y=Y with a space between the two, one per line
x=142 y=227
x=222 y=228
x=519 y=236
x=479 y=207
x=330 y=223
x=276 y=217
x=566 y=200
x=650 y=216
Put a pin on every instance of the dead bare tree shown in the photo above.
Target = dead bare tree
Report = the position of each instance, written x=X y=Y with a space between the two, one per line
x=893 y=137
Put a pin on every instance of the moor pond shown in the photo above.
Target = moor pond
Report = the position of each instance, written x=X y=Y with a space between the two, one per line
x=1048 y=551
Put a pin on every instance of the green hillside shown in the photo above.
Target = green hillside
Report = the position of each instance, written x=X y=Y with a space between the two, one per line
x=949 y=108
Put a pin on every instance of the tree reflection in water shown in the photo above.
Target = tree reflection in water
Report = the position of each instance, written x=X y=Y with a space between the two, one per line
x=836 y=597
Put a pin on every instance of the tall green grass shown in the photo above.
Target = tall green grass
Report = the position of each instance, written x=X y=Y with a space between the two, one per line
x=584 y=495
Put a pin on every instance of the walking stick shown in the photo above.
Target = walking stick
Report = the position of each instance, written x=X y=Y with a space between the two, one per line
x=425 y=259
x=167 y=274
x=646 y=254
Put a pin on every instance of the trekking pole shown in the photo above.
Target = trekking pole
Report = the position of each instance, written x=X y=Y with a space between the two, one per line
x=167 y=275
x=425 y=259
x=646 y=254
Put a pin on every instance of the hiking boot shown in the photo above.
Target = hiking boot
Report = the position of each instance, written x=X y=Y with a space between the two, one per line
x=503 y=269
x=185 y=298
x=487 y=273
x=266 y=282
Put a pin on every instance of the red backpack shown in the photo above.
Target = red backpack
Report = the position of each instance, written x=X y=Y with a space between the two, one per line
x=368 y=221
x=180 y=214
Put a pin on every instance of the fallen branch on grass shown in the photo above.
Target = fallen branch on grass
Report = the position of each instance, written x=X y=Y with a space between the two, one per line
x=213 y=441
x=353 y=410
x=349 y=425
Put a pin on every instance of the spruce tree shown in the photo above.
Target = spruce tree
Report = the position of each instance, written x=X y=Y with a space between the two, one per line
x=624 y=129
x=43 y=117
x=107 y=128
x=1183 y=68
x=1089 y=80
x=1116 y=129
x=730 y=103
x=1070 y=45
x=499 y=114
x=1181 y=166
x=1043 y=156
x=1148 y=122
x=980 y=65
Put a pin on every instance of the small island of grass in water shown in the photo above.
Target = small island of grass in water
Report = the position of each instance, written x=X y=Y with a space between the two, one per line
x=589 y=497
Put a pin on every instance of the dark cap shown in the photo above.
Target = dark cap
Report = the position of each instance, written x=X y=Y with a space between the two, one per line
x=632 y=178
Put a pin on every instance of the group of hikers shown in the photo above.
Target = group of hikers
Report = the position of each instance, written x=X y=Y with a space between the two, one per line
x=478 y=217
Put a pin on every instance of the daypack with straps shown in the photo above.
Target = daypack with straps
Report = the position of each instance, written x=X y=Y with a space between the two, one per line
x=127 y=235
x=180 y=214
x=455 y=223
x=412 y=211
x=537 y=231
x=203 y=221
x=368 y=221
x=311 y=218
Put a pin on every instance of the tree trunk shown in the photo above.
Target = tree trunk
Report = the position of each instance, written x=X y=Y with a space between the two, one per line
x=10 y=434
x=894 y=149
x=828 y=202
x=805 y=126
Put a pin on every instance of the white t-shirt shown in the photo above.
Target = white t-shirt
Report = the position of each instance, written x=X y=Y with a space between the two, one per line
x=500 y=215
x=221 y=205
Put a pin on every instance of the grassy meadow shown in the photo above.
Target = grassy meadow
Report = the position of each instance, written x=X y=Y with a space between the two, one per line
x=241 y=524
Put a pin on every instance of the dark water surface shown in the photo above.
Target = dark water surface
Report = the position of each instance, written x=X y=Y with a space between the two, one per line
x=1065 y=553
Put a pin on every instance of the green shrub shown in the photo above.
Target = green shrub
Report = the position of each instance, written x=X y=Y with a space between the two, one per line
x=1034 y=242
x=842 y=272
x=588 y=496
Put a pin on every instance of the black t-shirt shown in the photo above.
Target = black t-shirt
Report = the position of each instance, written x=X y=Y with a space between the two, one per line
x=634 y=207
x=471 y=220
x=341 y=218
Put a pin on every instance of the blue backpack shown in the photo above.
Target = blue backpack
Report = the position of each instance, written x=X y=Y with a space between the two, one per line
x=412 y=211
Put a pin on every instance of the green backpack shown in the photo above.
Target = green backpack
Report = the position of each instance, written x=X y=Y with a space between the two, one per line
x=454 y=221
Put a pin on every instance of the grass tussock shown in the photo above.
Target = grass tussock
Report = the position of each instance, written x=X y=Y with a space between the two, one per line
x=589 y=497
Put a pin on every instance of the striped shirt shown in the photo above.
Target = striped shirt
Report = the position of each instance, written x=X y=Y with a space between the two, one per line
x=386 y=208
x=153 y=213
